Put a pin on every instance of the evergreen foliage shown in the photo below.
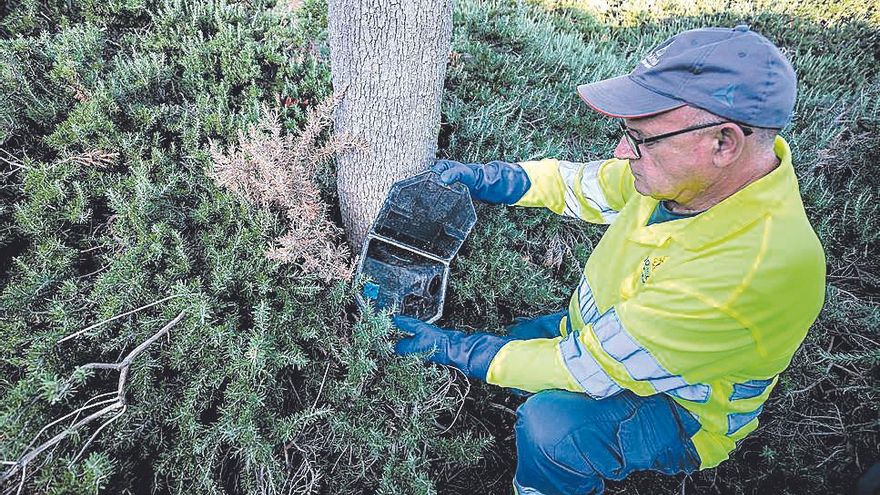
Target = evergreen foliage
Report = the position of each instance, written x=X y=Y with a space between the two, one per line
x=273 y=382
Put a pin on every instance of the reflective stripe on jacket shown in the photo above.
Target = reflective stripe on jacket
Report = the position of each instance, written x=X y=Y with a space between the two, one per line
x=707 y=309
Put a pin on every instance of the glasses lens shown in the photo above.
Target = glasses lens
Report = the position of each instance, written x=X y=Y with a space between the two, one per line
x=630 y=141
x=634 y=146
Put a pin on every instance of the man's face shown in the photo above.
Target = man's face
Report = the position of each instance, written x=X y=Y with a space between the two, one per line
x=676 y=168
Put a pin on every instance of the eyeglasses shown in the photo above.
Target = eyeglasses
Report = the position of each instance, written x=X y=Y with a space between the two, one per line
x=634 y=142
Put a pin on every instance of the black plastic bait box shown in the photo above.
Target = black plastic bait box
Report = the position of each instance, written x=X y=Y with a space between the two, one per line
x=406 y=254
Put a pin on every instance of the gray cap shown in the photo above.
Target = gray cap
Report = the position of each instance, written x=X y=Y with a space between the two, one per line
x=735 y=73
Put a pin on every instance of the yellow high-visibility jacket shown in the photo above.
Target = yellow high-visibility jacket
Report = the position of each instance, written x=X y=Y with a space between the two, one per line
x=707 y=309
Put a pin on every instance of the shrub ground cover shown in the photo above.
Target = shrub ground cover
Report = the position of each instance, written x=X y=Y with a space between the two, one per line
x=272 y=382
x=117 y=118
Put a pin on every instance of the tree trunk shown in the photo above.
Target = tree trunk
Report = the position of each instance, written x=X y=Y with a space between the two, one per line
x=390 y=59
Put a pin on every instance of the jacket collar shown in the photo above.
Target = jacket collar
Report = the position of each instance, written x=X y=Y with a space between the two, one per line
x=727 y=217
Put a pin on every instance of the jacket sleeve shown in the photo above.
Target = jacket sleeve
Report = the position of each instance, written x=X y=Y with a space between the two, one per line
x=593 y=191
x=662 y=340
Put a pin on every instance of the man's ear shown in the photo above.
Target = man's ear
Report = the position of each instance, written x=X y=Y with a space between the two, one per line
x=728 y=144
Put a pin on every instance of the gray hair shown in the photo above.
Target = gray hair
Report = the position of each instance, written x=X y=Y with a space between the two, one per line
x=765 y=137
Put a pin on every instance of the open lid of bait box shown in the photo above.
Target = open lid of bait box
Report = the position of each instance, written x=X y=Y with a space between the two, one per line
x=416 y=234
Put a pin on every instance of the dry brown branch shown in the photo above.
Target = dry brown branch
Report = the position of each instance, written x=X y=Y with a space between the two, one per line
x=460 y=399
x=114 y=404
x=13 y=161
x=96 y=325
x=279 y=172
x=75 y=86
x=504 y=408
x=335 y=145
x=317 y=119
x=75 y=413
x=555 y=254
x=93 y=158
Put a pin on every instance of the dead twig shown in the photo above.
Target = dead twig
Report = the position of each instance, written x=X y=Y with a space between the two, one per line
x=93 y=158
x=118 y=403
x=321 y=388
x=504 y=408
x=95 y=434
x=13 y=161
x=96 y=325
x=460 y=399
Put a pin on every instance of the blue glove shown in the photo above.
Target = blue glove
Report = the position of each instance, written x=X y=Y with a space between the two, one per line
x=495 y=182
x=471 y=353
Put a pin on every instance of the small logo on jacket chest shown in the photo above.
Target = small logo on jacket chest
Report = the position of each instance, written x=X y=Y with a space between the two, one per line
x=650 y=264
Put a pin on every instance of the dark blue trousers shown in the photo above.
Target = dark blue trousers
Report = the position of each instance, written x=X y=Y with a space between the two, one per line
x=568 y=443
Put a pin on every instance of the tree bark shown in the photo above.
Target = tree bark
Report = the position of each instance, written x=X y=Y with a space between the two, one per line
x=389 y=56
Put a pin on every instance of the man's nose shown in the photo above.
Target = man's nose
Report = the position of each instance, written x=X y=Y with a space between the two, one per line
x=624 y=151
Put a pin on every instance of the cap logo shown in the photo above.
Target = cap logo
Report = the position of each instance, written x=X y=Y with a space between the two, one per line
x=725 y=95
x=654 y=57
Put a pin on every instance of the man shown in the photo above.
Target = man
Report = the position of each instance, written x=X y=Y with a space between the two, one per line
x=698 y=294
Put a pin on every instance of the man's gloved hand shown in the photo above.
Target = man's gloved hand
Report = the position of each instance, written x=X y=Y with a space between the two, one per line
x=471 y=353
x=495 y=182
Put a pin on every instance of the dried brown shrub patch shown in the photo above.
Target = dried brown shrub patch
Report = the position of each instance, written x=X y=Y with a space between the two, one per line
x=278 y=171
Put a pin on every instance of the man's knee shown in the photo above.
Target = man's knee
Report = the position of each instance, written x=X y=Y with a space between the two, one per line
x=546 y=463
x=535 y=422
x=550 y=416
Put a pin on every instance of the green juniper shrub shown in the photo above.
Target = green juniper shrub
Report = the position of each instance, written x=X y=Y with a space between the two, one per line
x=114 y=221
x=272 y=381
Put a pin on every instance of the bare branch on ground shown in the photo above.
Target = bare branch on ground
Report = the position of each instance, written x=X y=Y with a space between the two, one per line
x=96 y=325
x=118 y=403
